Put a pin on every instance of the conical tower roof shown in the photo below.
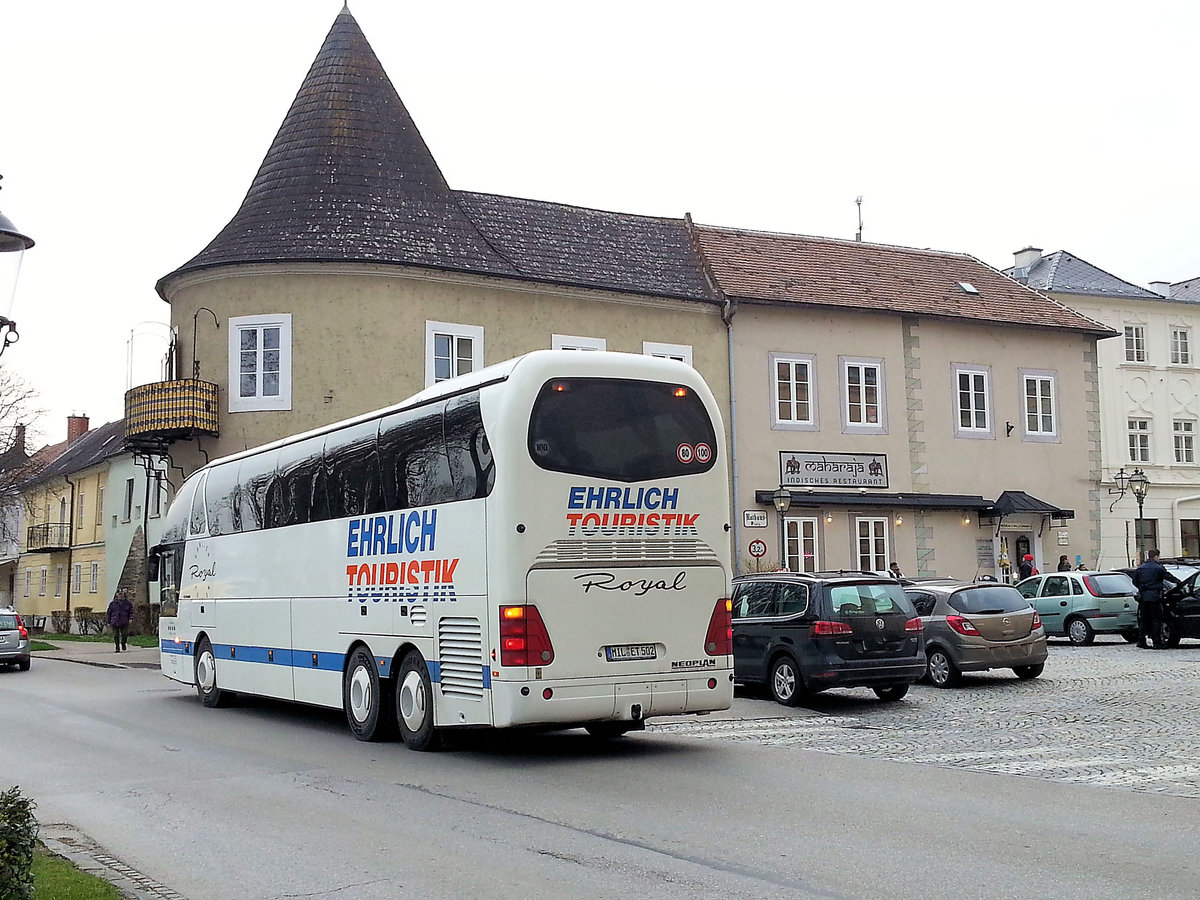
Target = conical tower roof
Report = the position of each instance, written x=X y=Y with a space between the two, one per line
x=349 y=178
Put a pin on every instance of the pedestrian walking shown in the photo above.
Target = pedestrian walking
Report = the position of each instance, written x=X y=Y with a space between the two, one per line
x=1026 y=568
x=120 y=614
x=1148 y=578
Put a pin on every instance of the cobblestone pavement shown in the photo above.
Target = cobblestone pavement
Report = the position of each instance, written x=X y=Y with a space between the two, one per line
x=1108 y=714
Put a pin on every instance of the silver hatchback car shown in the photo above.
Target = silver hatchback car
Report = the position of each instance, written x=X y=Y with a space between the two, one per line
x=14 y=640
x=970 y=627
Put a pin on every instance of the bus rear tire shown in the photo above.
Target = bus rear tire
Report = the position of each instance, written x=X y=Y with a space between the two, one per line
x=366 y=699
x=414 y=704
x=205 y=670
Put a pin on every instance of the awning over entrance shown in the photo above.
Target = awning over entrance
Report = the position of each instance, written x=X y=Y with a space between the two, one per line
x=1017 y=503
x=802 y=498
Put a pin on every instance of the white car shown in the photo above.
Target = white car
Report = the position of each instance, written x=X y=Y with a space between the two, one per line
x=14 y=640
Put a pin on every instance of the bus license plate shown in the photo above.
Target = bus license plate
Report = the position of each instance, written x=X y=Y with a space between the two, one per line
x=625 y=652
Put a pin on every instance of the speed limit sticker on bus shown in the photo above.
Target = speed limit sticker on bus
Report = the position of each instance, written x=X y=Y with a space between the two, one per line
x=703 y=453
x=685 y=453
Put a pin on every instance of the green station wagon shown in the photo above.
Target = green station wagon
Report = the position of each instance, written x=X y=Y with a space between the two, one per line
x=1081 y=605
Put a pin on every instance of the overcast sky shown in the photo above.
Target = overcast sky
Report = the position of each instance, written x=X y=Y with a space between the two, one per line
x=130 y=132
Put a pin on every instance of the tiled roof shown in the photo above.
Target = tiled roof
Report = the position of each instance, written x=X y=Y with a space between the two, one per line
x=1064 y=273
x=755 y=266
x=589 y=247
x=349 y=178
x=93 y=447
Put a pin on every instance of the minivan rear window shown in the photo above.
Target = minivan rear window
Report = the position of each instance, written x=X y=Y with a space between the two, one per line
x=870 y=599
x=990 y=599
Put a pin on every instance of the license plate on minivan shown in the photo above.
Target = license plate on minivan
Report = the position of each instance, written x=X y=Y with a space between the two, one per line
x=627 y=652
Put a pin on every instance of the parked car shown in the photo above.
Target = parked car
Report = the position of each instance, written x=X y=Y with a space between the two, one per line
x=800 y=633
x=1081 y=605
x=1181 y=603
x=975 y=626
x=14 y=640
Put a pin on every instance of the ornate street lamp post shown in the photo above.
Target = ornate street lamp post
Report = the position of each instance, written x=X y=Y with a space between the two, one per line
x=782 y=498
x=13 y=245
x=1139 y=484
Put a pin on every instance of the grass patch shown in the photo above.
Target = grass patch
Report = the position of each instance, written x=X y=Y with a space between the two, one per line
x=138 y=640
x=41 y=645
x=57 y=878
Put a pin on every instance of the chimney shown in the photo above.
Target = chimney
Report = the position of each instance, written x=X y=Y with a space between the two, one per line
x=1023 y=261
x=1162 y=288
x=18 y=444
x=77 y=427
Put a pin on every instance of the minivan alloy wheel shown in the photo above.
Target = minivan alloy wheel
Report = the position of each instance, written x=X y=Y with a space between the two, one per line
x=785 y=681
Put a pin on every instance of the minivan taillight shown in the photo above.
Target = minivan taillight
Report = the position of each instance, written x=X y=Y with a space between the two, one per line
x=21 y=628
x=824 y=629
x=524 y=640
x=961 y=625
x=719 y=640
x=914 y=625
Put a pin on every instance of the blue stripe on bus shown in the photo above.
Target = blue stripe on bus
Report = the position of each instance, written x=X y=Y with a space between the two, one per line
x=301 y=659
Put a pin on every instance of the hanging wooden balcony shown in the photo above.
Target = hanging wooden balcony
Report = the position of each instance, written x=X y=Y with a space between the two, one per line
x=158 y=414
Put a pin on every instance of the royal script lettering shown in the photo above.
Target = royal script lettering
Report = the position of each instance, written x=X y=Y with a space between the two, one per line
x=199 y=573
x=639 y=587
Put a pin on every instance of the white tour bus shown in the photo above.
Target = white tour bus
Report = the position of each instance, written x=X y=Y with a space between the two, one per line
x=543 y=542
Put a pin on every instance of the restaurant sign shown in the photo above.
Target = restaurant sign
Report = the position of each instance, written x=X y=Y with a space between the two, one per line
x=842 y=470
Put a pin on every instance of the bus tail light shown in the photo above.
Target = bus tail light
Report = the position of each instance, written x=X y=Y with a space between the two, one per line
x=719 y=640
x=524 y=640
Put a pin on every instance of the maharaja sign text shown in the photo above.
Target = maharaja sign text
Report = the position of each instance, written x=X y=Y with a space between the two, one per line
x=853 y=470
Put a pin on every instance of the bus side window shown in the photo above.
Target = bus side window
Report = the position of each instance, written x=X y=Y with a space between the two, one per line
x=168 y=581
x=220 y=493
x=413 y=459
x=468 y=452
x=198 y=523
x=299 y=465
x=255 y=477
x=352 y=470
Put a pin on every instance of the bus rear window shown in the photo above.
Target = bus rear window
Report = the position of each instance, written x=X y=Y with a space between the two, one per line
x=621 y=429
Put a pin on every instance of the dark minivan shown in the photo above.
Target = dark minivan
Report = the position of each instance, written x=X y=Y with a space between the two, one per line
x=800 y=633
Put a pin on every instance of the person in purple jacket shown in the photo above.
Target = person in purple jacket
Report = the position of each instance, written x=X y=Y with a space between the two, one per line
x=120 y=614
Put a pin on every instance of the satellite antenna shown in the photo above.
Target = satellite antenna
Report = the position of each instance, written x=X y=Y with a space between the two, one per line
x=858 y=201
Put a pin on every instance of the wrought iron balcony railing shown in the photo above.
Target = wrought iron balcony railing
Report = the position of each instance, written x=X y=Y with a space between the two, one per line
x=49 y=536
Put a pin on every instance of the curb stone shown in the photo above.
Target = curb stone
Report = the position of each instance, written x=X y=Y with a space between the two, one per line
x=68 y=841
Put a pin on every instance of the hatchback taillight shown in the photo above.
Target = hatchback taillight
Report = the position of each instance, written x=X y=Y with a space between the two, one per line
x=524 y=640
x=1090 y=584
x=719 y=640
x=914 y=625
x=1037 y=621
x=961 y=625
x=824 y=629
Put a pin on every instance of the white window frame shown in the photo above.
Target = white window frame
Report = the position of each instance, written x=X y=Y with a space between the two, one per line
x=100 y=504
x=28 y=581
x=79 y=524
x=878 y=527
x=576 y=342
x=1135 y=344
x=680 y=352
x=127 y=508
x=801 y=533
x=155 y=499
x=880 y=426
x=792 y=360
x=95 y=584
x=1181 y=345
x=1183 y=432
x=259 y=402
x=1040 y=377
x=1139 y=434
x=433 y=330
x=77 y=578
x=58 y=580
x=980 y=376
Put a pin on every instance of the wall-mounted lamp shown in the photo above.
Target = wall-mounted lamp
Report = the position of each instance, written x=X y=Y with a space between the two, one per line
x=899 y=520
x=966 y=520
x=828 y=518
x=782 y=498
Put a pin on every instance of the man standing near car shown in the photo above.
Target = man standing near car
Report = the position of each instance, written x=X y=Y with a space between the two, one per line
x=1148 y=578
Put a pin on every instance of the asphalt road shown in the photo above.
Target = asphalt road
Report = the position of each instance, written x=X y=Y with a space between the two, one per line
x=930 y=797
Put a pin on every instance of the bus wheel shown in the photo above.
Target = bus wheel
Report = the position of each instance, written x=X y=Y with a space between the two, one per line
x=206 y=677
x=414 y=704
x=365 y=699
